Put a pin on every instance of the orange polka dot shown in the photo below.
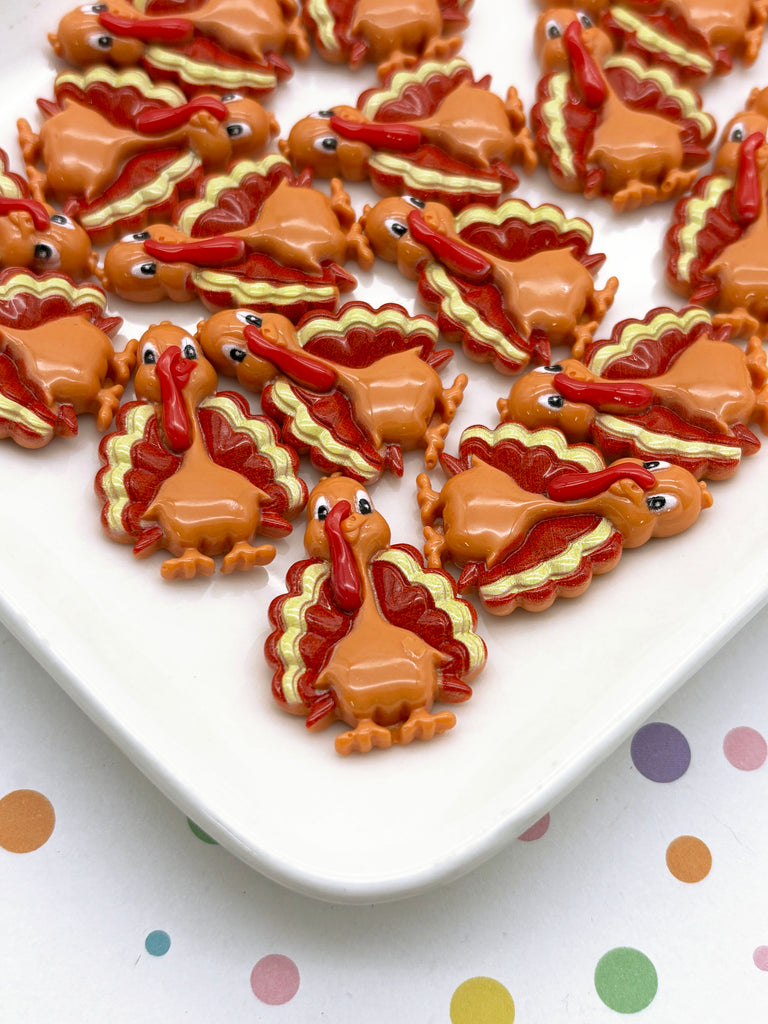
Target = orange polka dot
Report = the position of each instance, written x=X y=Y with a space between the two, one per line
x=26 y=821
x=689 y=859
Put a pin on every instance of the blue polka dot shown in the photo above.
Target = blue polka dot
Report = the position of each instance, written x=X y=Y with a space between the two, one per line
x=157 y=943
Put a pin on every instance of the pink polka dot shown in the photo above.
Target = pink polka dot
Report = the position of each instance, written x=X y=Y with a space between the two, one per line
x=760 y=957
x=536 y=831
x=745 y=748
x=275 y=979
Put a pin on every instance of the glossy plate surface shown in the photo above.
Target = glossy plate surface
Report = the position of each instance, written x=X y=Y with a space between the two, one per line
x=174 y=673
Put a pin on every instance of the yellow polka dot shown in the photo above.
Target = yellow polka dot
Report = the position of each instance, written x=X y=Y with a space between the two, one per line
x=26 y=821
x=482 y=1001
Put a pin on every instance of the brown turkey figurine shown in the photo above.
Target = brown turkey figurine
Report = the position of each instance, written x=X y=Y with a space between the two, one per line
x=365 y=634
x=432 y=131
x=507 y=283
x=119 y=150
x=190 y=470
x=56 y=357
x=529 y=518
x=606 y=124
x=222 y=45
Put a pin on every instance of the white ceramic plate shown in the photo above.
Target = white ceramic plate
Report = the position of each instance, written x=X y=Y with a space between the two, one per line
x=174 y=673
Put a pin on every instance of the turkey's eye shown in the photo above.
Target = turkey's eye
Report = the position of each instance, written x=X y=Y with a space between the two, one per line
x=419 y=203
x=327 y=143
x=363 y=503
x=396 y=228
x=654 y=464
x=248 y=318
x=144 y=270
x=325 y=114
x=322 y=508
x=149 y=355
x=94 y=8
x=553 y=30
x=59 y=218
x=230 y=97
x=661 y=502
x=584 y=20
x=737 y=133
x=188 y=349
x=552 y=368
x=100 y=42
x=552 y=400
x=238 y=130
x=137 y=236
x=237 y=355
x=44 y=252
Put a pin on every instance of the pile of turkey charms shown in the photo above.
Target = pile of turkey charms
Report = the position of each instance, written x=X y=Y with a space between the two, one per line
x=154 y=174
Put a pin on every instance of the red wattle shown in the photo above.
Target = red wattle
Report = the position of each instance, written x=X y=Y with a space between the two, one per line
x=301 y=368
x=147 y=30
x=605 y=395
x=40 y=216
x=746 y=194
x=452 y=253
x=589 y=79
x=202 y=252
x=168 y=119
x=173 y=372
x=345 y=582
x=400 y=136
x=578 y=486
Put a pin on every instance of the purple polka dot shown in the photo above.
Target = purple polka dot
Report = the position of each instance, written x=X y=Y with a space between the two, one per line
x=536 y=831
x=745 y=748
x=275 y=979
x=660 y=752
x=760 y=958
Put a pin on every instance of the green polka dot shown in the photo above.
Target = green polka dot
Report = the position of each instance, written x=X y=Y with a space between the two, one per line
x=197 y=831
x=482 y=1001
x=626 y=980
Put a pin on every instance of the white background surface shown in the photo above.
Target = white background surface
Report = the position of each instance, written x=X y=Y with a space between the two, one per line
x=122 y=861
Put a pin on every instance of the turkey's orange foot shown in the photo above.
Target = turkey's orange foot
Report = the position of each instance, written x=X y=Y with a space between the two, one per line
x=422 y=725
x=108 y=401
x=341 y=204
x=397 y=61
x=637 y=193
x=363 y=738
x=428 y=499
x=740 y=321
x=753 y=39
x=603 y=300
x=582 y=336
x=358 y=248
x=296 y=39
x=434 y=543
x=442 y=48
x=677 y=182
x=244 y=556
x=188 y=565
x=123 y=363
x=435 y=442
x=28 y=141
